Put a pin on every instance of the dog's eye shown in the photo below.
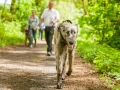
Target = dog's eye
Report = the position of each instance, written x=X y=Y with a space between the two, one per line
x=73 y=32
x=63 y=30
x=68 y=33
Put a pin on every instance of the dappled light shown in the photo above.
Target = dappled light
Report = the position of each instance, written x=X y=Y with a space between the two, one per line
x=33 y=70
x=97 y=61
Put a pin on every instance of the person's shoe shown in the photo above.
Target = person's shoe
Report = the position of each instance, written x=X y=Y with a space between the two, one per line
x=31 y=46
x=48 y=54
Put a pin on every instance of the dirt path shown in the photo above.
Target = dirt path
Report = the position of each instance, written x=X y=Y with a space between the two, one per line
x=24 y=68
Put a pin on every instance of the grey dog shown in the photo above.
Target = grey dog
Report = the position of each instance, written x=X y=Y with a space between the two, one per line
x=64 y=45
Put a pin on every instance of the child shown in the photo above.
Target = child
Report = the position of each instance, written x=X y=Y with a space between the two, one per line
x=41 y=30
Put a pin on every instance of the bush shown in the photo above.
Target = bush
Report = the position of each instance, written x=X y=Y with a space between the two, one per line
x=10 y=33
x=105 y=58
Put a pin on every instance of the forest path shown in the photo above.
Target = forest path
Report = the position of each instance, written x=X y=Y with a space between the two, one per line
x=24 y=68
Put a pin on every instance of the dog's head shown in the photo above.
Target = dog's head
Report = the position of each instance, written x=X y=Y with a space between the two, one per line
x=26 y=32
x=69 y=33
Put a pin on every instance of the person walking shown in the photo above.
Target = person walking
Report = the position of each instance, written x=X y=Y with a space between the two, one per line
x=32 y=25
x=50 y=17
x=41 y=30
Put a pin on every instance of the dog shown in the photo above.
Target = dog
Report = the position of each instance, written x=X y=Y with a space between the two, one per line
x=27 y=37
x=65 y=35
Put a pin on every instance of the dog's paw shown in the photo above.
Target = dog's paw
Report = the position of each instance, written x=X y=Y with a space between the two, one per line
x=63 y=77
x=69 y=73
x=59 y=84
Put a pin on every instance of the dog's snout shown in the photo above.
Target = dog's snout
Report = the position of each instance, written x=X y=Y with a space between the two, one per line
x=71 y=43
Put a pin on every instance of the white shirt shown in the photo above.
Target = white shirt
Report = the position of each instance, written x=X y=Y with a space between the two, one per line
x=49 y=15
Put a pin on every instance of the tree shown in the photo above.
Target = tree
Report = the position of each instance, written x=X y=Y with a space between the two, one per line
x=12 y=6
x=3 y=9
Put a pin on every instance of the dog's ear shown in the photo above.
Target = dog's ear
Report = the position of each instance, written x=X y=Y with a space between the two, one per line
x=59 y=26
x=68 y=21
x=76 y=27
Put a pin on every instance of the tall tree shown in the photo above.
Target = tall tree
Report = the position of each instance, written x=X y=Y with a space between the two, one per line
x=12 y=7
x=3 y=8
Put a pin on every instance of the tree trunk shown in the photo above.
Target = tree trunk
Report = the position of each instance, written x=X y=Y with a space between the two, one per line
x=3 y=9
x=83 y=2
x=37 y=2
x=12 y=7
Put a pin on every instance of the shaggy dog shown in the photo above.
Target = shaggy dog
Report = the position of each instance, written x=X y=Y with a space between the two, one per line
x=64 y=44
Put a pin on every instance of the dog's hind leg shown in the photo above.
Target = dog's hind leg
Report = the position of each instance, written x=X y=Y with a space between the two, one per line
x=70 y=60
x=59 y=71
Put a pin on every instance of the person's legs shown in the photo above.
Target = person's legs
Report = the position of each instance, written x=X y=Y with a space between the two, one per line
x=49 y=36
x=34 y=36
x=41 y=31
x=31 y=37
x=46 y=36
x=39 y=34
x=51 y=32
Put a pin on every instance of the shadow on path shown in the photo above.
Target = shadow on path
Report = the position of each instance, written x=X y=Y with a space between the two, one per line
x=24 y=68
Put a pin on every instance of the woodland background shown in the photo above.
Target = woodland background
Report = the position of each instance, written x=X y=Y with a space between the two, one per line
x=99 y=28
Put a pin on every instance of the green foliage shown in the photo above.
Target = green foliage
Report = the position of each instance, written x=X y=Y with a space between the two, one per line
x=116 y=87
x=103 y=20
x=23 y=11
x=86 y=50
x=10 y=33
x=13 y=21
x=7 y=16
x=105 y=58
x=100 y=36
x=68 y=13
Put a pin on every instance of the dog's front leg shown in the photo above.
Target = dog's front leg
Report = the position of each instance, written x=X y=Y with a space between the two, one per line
x=59 y=71
x=65 y=59
x=70 y=59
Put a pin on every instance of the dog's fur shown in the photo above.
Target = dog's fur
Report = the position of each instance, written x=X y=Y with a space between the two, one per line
x=64 y=44
x=27 y=37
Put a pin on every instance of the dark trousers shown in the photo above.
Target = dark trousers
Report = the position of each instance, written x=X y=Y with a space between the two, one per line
x=40 y=34
x=49 y=31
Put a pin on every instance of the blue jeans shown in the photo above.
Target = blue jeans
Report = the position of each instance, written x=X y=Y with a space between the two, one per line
x=32 y=35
